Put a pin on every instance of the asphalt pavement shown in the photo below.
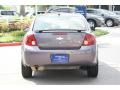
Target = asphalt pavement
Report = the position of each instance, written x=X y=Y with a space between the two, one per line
x=109 y=66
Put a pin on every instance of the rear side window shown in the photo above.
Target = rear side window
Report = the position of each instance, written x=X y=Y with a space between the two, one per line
x=7 y=12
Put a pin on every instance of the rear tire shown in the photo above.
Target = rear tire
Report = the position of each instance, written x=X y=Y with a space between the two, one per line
x=92 y=71
x=26 y=71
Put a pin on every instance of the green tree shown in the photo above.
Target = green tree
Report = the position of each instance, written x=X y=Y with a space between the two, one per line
x=1 y=7
x=5 y=7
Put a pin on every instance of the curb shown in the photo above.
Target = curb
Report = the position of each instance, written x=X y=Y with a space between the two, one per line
x=10 y=44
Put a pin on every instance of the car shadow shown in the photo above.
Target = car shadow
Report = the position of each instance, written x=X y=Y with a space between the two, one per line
x=107 y=76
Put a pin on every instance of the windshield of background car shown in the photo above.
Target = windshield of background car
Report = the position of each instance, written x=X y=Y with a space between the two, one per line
x=59 y=22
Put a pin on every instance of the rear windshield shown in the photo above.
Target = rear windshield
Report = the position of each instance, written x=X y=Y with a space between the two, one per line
x=46 y=23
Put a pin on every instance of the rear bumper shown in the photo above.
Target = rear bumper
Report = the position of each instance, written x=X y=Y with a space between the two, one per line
x=33 y=56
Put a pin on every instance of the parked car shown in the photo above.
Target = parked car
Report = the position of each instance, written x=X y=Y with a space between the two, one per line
x=111 y=19
x=94 y=20
x=40 y=12
x=8 y=13
x=9 y=16
x=117 y=12
x=59 y=41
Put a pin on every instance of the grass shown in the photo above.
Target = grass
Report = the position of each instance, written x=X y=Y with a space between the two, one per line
x=99 y=32
x=17 y=36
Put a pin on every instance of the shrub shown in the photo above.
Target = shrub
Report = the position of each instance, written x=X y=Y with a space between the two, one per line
x=1 y=34
x=3 y=27
x=17 y=33
x=15 y=24
x=19 y=25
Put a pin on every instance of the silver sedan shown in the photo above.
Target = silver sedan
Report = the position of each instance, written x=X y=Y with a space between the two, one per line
x=59 y=41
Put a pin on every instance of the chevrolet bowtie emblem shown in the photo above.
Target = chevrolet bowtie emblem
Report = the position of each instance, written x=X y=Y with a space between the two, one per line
x=59 y=38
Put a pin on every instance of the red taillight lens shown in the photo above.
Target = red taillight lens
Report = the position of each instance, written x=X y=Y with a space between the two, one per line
x=89 y=40
x=31 y=41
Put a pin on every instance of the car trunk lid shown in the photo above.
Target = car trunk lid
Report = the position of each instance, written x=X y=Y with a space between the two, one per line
x=52 y=40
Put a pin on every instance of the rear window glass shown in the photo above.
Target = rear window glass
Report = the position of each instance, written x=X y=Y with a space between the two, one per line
x=46 y=23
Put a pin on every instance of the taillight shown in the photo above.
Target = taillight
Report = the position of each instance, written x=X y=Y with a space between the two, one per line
x=30 y=40
x=89 y=40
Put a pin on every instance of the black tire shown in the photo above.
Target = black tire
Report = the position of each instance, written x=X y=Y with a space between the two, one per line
x=93 y=22
x=26 y=71
x=92 y=71
x=109 y=21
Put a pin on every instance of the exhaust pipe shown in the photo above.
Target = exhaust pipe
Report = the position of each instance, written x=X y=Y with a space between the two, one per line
x=38 y=68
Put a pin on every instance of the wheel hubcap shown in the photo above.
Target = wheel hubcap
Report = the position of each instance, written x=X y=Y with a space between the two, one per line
x=109 y=23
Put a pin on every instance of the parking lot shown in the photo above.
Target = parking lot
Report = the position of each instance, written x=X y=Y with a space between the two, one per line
x=109 y=66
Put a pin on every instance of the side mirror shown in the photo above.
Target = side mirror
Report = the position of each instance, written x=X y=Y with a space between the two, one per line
x=26 y=30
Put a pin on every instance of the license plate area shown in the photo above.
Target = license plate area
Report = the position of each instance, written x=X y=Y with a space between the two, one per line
x=59 y=58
